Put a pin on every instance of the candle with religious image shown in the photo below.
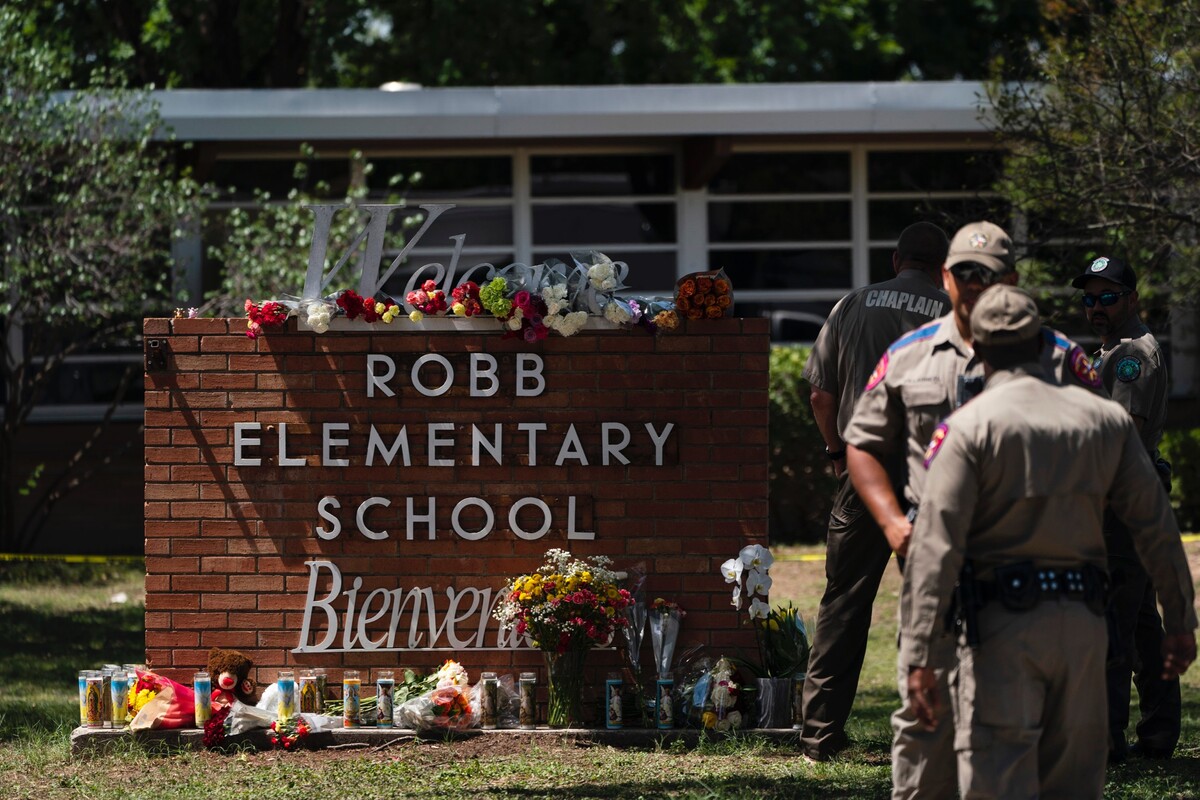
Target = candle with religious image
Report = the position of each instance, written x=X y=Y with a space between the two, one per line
x=664 y=703
x=94 y=700
x=385 y=686
x=322 y=680
x=120 y=698
x=287 y=695
x=202 y=686
x=527 y=714
x=351 y=699
x=614 y=714
x=487 y=700
x=307 y=683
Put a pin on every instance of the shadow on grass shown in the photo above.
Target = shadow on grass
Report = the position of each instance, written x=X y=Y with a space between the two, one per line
x=47 y=649
x=824 y=787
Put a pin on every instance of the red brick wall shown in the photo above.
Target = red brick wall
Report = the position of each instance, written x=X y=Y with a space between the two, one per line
x=226 y=546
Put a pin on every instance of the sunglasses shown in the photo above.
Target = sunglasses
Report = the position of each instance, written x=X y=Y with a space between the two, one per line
x=1105 y=299
x=967 y=272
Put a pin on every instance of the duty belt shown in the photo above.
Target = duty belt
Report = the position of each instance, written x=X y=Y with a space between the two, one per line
x=1020 y=587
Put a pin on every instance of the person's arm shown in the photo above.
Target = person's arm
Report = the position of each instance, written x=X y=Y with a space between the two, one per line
x=934 y=563
x=825 y=412
x=873 y=485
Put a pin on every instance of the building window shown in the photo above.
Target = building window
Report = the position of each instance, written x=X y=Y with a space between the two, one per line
x=622 y=204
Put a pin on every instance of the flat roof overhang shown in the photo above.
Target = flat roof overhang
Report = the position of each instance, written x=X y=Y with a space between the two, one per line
x=575 y=112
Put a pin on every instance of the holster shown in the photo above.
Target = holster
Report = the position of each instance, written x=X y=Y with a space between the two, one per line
x=1163 y=468
x=1015 y=586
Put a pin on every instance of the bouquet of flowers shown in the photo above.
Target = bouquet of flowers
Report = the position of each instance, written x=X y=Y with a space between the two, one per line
x=565 y=608
x=217 y=728
x=159 y=702
x=704 y=295
x=287 y=733
x=466 y=300
x=427 y=300
x=567 y=604
x=448 y=705
x=269 y=315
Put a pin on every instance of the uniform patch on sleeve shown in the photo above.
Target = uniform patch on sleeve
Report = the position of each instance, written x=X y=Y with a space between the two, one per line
x=878 y=373
x=1128 y=369
x=935 y=443
x=1083 y=368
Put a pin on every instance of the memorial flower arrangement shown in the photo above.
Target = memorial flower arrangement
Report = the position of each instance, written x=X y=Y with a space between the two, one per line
x=527 y=301
x=448 y=704
x=565 y=607
x=142 y=691
x=287 y=733
x=270 y=314
x=704 y=295
x=466 y=300
x=427 y=300
x=217 y=727
x=779 y=631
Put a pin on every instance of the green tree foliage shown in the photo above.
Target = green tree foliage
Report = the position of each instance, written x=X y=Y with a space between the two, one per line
x=802 y=486
x=1102 y=139
x=87 y=206
x=365 y=43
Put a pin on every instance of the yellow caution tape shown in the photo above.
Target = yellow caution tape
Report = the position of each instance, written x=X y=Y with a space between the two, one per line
x=70 y=559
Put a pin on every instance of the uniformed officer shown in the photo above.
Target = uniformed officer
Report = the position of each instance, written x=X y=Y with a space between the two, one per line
x=858 y=330
x=1012 y=509
x=921 y=378
x=1132 y=367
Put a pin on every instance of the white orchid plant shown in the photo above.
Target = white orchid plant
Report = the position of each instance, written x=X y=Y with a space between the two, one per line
x=780 y=633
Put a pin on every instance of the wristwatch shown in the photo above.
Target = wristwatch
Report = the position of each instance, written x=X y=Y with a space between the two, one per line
x=835 y=455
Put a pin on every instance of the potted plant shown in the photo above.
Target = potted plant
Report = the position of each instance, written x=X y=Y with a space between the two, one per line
x=779 y=633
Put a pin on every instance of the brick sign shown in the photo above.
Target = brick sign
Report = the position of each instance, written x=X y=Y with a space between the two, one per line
x=358 y=498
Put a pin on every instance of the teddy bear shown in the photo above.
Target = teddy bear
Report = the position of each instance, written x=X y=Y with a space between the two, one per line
x=230 y=671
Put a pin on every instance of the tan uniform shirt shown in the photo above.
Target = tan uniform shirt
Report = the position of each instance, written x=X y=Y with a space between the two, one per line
x=1135 y=374
x=924 y=376
x=1022 y=474
x=860 y=328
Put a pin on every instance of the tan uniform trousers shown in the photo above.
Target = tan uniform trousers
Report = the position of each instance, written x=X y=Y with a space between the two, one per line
x=923 y=761
x=1029 y=704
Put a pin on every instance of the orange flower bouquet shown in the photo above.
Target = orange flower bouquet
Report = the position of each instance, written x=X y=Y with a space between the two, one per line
x=704 y=295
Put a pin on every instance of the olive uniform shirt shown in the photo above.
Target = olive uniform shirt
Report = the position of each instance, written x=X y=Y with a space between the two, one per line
x=1135 y=375
x=1022 y=474
x=860 y=328
x=924 y=376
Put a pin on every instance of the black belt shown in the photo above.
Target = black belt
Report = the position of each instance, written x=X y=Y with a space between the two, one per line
x=1019 y=587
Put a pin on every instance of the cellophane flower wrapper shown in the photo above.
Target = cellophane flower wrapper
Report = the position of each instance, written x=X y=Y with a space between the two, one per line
x=173 y=705
x=446 y=707
x=704 y=295
x=664 y=632
x=508 y=702
x=243 y=718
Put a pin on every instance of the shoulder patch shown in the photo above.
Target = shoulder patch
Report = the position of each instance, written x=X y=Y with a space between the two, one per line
x=1055 y=338
x=878 y=373
x=920 y=334
x=935 y=442
x=1128 y=369
x=1083 y=368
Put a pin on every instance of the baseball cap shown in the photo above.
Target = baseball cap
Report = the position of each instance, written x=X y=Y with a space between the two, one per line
x=1004 y=315
x=982 y=243
x=1111 y=269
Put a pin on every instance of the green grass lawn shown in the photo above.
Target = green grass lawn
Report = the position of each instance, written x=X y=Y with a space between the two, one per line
x=63 y=619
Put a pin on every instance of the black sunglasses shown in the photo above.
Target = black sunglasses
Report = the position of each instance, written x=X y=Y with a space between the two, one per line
x=1105 y=299
x=968 y=271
